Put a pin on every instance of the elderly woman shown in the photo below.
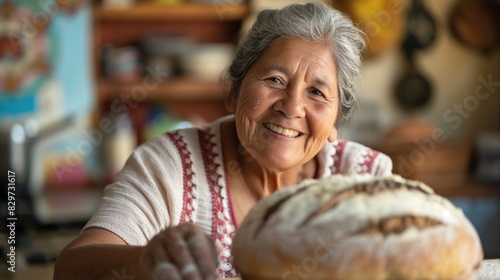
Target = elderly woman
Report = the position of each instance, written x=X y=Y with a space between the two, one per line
x=175 y=206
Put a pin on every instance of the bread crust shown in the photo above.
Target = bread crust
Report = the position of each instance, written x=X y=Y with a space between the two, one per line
x=305 y=232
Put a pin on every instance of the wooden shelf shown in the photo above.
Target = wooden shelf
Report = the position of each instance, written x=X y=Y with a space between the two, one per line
x=173 y=89
x=442 y=166
x=459 y=185
x=470 y=190
x=186 y=97
x=181 y=12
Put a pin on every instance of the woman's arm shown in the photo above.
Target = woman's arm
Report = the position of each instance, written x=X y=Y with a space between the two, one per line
x=98 y=254
x=180 y=252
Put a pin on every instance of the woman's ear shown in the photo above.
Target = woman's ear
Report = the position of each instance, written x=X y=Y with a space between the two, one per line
x=333 y=135
x=230 y=101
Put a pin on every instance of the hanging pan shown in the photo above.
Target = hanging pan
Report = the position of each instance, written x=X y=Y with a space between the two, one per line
x=414 y=90
x=476 y=23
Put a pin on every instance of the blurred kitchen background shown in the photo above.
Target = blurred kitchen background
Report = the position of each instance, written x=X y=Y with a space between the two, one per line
x=82 y=83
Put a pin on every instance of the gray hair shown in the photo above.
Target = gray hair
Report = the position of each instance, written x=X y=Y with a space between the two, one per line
x=312 y=22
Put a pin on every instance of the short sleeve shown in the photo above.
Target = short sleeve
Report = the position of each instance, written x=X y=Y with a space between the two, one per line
x=347 y=157
x=143 y=198
x=382 y=165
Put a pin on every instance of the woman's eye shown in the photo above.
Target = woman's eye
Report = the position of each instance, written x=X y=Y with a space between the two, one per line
x=316 y=92
x=275 y=80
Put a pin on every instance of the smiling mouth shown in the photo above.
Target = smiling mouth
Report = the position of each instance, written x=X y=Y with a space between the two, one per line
x=282 y=131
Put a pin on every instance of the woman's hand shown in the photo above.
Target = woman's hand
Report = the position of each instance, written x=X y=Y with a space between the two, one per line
x=180 y=252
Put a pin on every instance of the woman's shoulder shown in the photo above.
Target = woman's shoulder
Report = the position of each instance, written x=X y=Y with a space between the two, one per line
x=189 y=134
x=183 y=144
x=351 y=157
x=178 y=139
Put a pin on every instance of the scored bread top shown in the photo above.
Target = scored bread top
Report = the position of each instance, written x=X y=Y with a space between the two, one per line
x=380 y=215
x=316 y=202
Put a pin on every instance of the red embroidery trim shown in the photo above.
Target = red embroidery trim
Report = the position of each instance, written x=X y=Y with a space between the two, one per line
x=339 y=146
x=362 y=163
x=223 y=228
x=231 y=206
x=369 y=157
x=188 y=198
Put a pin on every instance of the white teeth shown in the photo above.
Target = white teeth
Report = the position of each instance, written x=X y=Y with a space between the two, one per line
x=283 y=131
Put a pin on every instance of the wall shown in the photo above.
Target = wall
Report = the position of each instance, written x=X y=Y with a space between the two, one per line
x=63 y=40
x=454 y=70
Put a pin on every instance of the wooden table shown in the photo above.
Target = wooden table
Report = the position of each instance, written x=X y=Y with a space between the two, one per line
x=489 y=270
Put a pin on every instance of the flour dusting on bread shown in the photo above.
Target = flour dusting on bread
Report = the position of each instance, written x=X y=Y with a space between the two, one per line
x=357 y=226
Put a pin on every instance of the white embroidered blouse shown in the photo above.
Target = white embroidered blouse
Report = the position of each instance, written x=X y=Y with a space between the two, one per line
x=180 y=177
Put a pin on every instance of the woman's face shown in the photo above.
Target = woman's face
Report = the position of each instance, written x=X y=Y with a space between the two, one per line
x=287 y=104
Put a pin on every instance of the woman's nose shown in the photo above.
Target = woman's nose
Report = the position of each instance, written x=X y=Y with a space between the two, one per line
x=291 y=104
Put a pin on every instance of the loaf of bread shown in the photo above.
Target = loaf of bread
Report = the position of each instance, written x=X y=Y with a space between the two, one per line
x=356 y=227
